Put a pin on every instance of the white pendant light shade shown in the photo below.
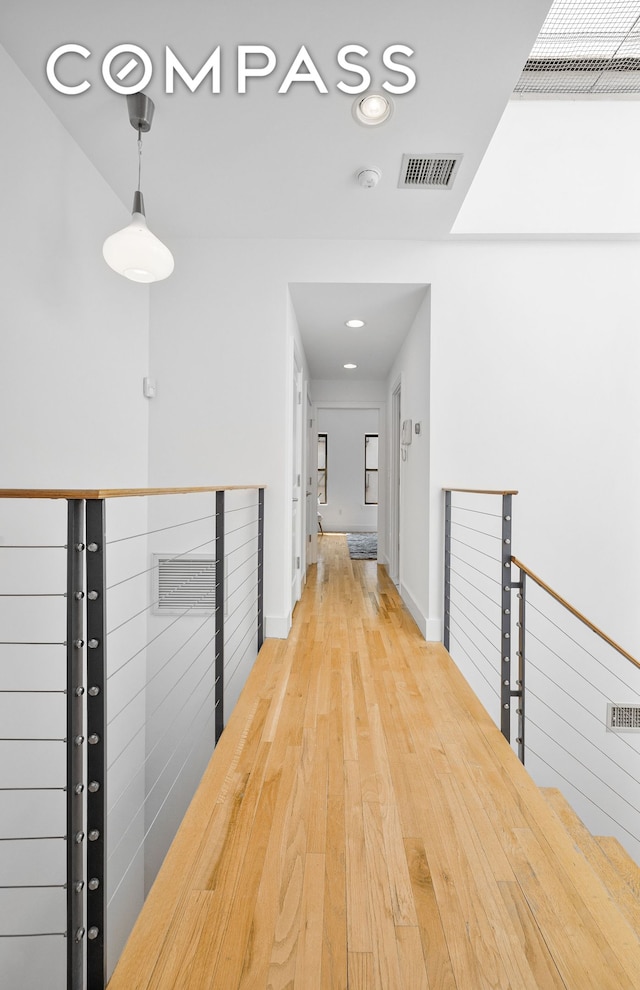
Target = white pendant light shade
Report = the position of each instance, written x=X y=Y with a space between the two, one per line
x=136 y=253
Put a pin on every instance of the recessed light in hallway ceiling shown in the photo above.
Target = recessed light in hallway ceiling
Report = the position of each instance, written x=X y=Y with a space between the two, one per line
x=354 y=323
x=349 y=367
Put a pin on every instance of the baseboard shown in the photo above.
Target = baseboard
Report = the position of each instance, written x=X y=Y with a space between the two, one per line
x=419 y=618
x=434 y=630
x=431 y=629
x=277 y=626
x=351 y=529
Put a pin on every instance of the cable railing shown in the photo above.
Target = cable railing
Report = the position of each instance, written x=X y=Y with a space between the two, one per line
x=477 y=612
x=119 y=664
x=582 y=698
x=574 y=702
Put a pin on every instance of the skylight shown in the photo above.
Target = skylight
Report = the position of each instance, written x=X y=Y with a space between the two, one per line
x=586 y=46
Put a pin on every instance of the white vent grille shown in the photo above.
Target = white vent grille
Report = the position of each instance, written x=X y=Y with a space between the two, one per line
x=428 y=171
x=186 y=582
x=623 y=718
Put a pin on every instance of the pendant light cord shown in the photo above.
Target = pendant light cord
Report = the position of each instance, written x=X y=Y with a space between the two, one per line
x=139 y=157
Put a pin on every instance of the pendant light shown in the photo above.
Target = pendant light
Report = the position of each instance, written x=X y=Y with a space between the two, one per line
x=134 y=251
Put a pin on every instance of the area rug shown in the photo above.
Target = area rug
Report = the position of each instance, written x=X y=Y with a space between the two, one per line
x=362 y=546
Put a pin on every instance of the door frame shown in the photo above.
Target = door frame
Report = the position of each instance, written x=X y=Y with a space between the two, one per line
x=395 y=482
x=310 y=542
x=381 y=407
x=296 y=477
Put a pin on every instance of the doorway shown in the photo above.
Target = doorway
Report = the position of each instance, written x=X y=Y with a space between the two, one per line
x=352 y=434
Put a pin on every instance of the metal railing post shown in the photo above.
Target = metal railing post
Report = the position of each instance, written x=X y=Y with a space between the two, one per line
x=96 y=749
x=75 y=745
x=446 y=635
x=260 y=575
x=505 y=626
x=522 y=653
x=219 y=619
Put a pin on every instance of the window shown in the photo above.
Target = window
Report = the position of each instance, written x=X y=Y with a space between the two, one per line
x=371 y=469
x=322 y=468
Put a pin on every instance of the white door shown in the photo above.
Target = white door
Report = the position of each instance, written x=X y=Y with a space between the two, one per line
x=296 y=486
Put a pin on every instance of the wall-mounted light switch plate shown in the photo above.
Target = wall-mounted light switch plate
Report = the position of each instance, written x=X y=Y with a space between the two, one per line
x=149 y=388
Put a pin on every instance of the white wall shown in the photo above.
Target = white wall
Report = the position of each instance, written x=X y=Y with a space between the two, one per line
x=333 y=390
x=220 y=352
x=75 y=335
x=558 y=167
x=345 y=510
x=74 y=351
x=29 y=962
x=412 y=370
x=534 y=357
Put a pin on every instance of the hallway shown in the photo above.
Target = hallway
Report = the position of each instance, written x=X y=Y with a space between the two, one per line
x=363 y=824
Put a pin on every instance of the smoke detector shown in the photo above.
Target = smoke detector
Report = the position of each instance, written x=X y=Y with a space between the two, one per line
x=369 y=177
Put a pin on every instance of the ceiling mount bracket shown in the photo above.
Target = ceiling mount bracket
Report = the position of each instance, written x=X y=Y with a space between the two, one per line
x=140 y=108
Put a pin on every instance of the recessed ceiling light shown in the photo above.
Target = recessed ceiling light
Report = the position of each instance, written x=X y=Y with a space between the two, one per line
x=349 y=366
x=354 y=323
x=372 y=109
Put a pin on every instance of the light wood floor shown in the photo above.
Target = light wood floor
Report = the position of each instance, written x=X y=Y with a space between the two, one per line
x=363 y=824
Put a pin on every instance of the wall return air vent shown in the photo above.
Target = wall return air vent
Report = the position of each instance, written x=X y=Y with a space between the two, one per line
x=428 y=171
x=184 y=582
x=623 y=718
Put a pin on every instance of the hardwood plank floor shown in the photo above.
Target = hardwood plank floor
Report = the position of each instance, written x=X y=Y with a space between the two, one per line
x=364 y=825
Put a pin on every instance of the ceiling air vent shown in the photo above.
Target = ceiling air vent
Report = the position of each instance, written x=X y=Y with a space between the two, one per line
x=623 y=718
x=184 y=582
x=428 y=171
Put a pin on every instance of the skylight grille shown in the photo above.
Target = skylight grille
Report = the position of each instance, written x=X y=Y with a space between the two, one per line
x=586 y=46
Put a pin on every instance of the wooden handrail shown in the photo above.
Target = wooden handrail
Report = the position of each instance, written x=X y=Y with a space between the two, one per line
x=481 y=491
x=574 y=611
x=100 y=493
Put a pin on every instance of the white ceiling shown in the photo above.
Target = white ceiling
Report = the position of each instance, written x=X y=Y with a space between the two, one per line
x=270 y=165
x=322 y=310
x=275 y=165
